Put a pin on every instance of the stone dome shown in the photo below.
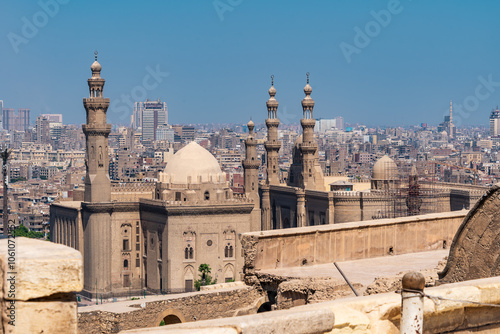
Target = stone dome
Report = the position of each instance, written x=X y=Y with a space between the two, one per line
x=193 y=164
x=384 y=169
x=95 y=67
x=308 y=89
x=272 y=91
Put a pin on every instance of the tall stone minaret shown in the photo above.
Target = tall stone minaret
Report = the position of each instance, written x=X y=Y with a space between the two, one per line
x=309 y=147
x=272 y=144
x=251 y=166
x=97 y=183
x=451 y=126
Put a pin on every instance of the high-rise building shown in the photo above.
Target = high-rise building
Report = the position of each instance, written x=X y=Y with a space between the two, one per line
x=339 y=123
x=495 y=123
x=152 y=115
x=53 y=118
x=23 y=119
x=322 y=125
x=42 y=128
x=165 y=132
x=19 y=121
x=1 y=113
x=137 y=115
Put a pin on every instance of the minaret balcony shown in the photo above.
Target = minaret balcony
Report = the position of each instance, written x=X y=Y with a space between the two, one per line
x=308 y=147
x=308 y=122
x=94 y=103
x=272 y=122
x=275 y=146
x=251 y=164
x=251 y=142
x=96 y=130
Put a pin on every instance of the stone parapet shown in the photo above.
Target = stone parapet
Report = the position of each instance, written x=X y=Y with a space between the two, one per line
x=376 y=314
x=132 y=186
x=290 y=322
x=348 y=241
x=39 y=279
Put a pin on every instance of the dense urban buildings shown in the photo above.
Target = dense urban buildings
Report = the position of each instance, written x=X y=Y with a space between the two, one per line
x=147 y=218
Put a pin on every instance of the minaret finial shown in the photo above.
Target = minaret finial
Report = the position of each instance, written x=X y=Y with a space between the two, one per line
x=95 y=54
x=307 y=77
x=272 y=79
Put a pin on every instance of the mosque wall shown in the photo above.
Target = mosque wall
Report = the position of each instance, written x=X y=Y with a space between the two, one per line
x=316 y=207
x=180 y=238
x=125 y=251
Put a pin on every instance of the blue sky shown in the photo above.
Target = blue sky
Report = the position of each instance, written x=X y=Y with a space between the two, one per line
x=213 y=59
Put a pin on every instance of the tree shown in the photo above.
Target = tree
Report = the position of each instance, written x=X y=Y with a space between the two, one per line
x=205 y=277
x=22 y=231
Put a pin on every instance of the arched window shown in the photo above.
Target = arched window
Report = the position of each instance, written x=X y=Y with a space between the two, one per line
x=230 y=251
x=207 y=196
x=186 y=253
x=125 y=264
x=191 y=253
x=226 y=251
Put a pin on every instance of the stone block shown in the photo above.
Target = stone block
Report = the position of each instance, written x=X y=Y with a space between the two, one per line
x=41 y=317
x=42 y=269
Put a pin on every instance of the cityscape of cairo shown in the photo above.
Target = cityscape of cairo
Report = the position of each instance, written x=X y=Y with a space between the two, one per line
x=250 y=167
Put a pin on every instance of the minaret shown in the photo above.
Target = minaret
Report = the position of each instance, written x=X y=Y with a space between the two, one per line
x=451 y=126
x=97 y=183
x=251 y=166
x=309 y=147
x=272 y=144
x=451 y=111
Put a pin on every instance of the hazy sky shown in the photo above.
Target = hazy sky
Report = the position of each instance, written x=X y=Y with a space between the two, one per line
x=372 y=62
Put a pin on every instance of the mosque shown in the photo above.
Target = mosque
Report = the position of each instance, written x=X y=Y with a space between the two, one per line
x=135 y=238
x=158 y=241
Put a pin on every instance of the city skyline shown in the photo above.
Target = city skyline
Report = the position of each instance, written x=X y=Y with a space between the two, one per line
x=377 y=63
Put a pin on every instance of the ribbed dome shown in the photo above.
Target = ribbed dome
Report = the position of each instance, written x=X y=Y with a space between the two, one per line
x=384 y=169
x=193 y=161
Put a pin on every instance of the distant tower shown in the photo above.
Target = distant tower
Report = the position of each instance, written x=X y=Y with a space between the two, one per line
x=97 y=183
x=308 y=147
x=495 y=123
x=251 y=166
x=451 y=127
x=272 y=144
x=413 y=201
x=451 y=111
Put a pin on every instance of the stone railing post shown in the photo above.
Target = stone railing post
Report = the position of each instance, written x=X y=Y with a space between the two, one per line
x=39 y=280
x=412 y=303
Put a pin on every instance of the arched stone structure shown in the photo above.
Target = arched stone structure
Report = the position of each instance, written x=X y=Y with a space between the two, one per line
x=475 y=250
x=170 y=316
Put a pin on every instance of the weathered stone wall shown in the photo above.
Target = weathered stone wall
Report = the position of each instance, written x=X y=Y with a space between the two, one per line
x=193 y=307
x=377 y=314
x=298 y=292
x=348 y=241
